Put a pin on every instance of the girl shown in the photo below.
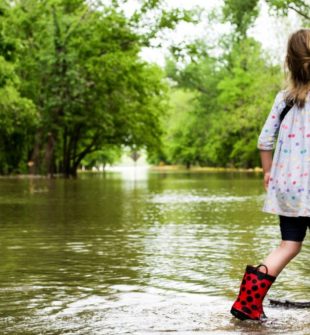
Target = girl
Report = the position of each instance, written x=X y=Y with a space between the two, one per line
x=286 y=177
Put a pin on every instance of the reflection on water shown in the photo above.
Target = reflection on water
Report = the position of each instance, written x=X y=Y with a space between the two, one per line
x=186 y=198
x=164 y=253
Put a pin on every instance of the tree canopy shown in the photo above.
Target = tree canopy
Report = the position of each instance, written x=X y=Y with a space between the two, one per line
x=227 y=97
x=81 y=70
x=74 y=88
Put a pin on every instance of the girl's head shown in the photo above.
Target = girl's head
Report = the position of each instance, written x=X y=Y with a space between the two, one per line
x=298 y=64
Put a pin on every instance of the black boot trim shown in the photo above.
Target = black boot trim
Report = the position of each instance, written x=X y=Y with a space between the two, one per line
x=242 y=316
x=239 y=315
x=261 y=275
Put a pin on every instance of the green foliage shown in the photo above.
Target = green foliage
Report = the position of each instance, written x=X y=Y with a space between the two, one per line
x=301 y=7
x=231 y=101
x=18 y=116
x=247 y=92
x=81 y=68
x=108 y=155
x=179 y=138
x=17 y=119
x=232 y=94
x=241 y=14
x=74 y=89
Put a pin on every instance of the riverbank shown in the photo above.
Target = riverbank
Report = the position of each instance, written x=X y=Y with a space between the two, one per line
x=155 y=168
x=176 y=168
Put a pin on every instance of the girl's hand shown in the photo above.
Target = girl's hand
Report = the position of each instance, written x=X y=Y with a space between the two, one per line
x=266 y=180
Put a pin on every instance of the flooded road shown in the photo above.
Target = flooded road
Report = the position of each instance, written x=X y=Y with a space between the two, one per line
x=142 y=253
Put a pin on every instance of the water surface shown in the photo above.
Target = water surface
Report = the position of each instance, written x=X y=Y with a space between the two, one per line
x=139 y=253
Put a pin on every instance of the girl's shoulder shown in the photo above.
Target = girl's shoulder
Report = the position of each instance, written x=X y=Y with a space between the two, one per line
x=280 y=99
x=281 y=95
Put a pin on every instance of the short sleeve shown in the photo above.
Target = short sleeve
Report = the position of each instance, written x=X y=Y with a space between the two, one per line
x=269 y=132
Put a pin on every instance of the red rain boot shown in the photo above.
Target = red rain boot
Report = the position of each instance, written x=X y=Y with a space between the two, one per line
x=254 y=287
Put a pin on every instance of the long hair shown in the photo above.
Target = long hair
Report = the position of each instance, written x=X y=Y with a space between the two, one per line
x=298 y=63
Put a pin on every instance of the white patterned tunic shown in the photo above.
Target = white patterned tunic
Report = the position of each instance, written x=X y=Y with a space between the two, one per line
x=288 y=191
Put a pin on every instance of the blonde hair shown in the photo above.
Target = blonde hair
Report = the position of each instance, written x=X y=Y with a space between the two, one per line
x=298 y=64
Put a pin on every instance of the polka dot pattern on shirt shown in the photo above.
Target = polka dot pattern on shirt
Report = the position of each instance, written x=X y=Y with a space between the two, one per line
x=288 y=191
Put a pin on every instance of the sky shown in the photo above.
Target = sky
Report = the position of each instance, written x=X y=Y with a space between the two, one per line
x=271 y=31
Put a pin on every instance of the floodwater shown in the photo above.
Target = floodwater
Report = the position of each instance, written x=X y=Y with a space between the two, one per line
x=139 y=253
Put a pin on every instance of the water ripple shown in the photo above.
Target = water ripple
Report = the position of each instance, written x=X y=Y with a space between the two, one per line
x=104 y=256
x=190 y=198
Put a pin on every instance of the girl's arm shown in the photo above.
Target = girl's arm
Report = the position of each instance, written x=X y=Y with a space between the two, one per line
x=266 y=159
x=267 y=137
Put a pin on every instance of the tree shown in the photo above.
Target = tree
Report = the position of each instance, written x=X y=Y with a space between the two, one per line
x=241 y=14
x=232 y=96
x=193 y=108
x=233 y=92
x=81 y=68
x=17 y=114
x=108 y=155
x=246 y=94
x=301 y=7
x=179 y=138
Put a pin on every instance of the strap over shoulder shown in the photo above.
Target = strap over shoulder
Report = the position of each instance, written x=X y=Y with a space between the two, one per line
x=286 y=109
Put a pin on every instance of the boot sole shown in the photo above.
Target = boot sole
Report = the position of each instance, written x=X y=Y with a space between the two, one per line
x=242 y=316
x=239 y=315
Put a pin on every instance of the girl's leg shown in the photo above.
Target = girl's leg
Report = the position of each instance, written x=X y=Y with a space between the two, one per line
x=293 y=231
x=280 y=257
x=256 y=283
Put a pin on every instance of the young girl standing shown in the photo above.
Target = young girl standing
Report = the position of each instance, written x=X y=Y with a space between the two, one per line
x=286 y=177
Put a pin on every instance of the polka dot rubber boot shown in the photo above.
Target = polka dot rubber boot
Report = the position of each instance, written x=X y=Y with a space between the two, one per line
x=253 y=289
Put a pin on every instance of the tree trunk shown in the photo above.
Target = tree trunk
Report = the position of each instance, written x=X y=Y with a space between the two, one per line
x=49 y=155
x=34 y=163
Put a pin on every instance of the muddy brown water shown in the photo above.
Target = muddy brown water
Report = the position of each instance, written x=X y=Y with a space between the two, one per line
x=139 y=253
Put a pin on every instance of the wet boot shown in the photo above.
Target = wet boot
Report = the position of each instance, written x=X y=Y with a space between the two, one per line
x=254 y=287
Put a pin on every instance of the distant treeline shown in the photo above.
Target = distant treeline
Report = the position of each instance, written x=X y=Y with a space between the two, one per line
x=219 y=104
x=74 y=89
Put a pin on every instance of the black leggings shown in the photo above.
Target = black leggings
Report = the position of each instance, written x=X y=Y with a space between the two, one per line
x=294 y=228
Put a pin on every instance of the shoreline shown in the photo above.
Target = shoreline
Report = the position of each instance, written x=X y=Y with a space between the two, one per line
x=181 y=168
x=152 y=168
